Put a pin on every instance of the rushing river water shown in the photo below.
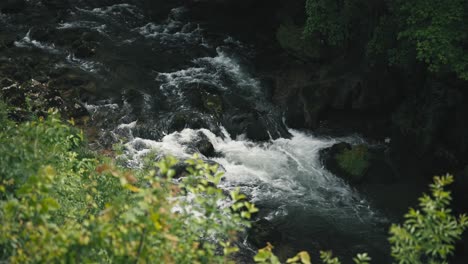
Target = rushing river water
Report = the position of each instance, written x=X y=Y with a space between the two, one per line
x=165 y=83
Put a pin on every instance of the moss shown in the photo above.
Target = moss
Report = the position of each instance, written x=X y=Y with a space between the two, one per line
x=354 y=161
x=213 y=104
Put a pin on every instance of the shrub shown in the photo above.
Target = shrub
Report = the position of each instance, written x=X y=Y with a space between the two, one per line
x=60 y=206
x=429 y=233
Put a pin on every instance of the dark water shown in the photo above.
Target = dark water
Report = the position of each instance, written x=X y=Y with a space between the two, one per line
x=159 y=81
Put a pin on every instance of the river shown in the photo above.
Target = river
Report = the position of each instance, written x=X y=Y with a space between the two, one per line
x=162 y=84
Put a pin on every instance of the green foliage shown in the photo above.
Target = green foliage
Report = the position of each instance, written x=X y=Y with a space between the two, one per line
x=59 y=206
x=439 y=32
x=24 y=148
x=292 y=39
x=362 y=259
x=398 y=32
x=354 y=161
x=266 y=256
x=325 y=17
x=301 y=258
x=341 y=23
x=327 y=258
x=428 y=235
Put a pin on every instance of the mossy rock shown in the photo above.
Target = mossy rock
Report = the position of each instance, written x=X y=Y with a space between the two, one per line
x=349 y=162
x=354 y=161
x=213 y=104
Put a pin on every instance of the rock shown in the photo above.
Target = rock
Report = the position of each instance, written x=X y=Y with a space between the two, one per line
x=309 y=94
x=12 y=93
x=257 y=130
x=203 y=145
x=12 y=6
x=7 y=41
x=42 y=33
x=370 y=166
x=328 y=157
x=86 y=45
x=213 y=104
x=186 y=119
x=263 y=231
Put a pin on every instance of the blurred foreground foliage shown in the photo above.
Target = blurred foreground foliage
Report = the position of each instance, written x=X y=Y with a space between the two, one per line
x=60 y=204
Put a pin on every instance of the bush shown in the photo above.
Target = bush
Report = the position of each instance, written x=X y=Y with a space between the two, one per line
x=60 y=206
x=428 y=234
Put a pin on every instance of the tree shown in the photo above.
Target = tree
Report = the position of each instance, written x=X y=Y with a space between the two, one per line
x=434 y=32
x=438 y=30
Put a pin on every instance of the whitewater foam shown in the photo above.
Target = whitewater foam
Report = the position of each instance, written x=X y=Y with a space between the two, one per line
x=28 y=42
x=221 y=71
x=282 y=172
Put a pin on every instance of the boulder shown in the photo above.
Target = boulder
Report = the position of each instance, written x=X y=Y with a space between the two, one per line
x=359 y=164
x=203 y=145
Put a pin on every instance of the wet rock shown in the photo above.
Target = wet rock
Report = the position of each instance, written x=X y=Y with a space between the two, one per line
x=12 y=6
x=257 y=130
x=213 y=104
x=186 y=119
x=204 y=97
x=42 y=33
x=308 y=93
x=7 y=41
x=203 y=145
x=328 y=157
x=263 y=231
x=86 y=45
x=369 y=165
x=11 y=92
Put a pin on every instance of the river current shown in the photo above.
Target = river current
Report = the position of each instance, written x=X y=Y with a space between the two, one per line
x=164 y=83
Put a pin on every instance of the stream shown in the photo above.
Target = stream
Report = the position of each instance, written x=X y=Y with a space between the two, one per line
x=162 y=84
